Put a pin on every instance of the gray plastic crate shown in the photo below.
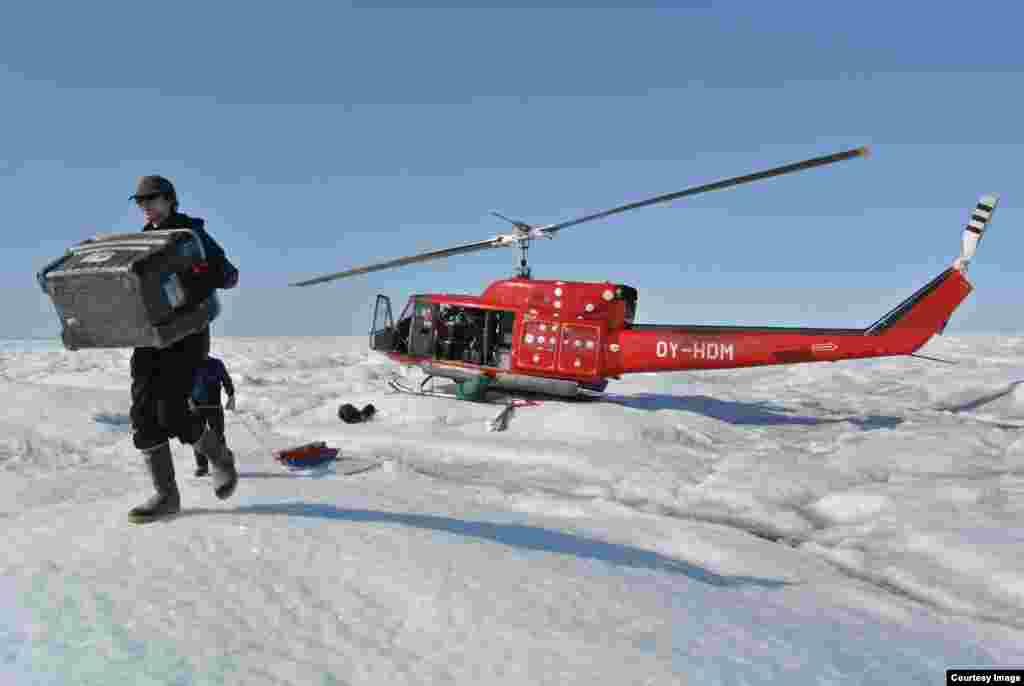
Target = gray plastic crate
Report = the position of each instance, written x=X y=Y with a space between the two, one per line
x=123 y=291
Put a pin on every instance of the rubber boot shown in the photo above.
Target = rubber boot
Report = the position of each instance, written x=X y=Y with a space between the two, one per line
x=222 y=461
x=202 y=464
x=167 y=501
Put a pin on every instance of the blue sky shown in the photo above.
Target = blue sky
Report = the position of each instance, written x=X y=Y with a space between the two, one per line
x=313 y=137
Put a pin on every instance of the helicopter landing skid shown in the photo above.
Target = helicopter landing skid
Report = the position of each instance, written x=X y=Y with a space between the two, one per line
x=494 y=397
x=401 y=386
x=498 y=423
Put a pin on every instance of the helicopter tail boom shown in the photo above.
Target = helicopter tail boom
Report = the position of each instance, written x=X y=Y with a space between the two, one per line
x=901 y=331
x=662 y=348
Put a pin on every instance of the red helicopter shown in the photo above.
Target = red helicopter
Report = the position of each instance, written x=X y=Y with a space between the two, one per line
x=568 y=338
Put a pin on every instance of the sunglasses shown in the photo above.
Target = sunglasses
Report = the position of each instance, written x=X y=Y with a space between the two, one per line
x=143 y=200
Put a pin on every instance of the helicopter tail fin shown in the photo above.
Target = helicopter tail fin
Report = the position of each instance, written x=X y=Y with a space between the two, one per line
x=927 y=311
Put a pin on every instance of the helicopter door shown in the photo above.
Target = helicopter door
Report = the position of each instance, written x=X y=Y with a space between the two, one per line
x=382 y=332
x=421 y=336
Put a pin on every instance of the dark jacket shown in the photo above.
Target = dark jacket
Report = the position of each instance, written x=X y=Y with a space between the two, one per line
x=219 y=273
x=207 y=382
x=162 y=379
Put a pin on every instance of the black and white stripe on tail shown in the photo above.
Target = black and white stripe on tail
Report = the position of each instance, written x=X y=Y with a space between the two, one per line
x=975 y=229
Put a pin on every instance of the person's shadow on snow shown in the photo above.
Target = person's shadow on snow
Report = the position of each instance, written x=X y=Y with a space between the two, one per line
x=115 y=422
x=515 y=535
x=760 y=413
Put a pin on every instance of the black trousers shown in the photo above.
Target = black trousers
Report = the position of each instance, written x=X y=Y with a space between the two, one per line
x=214 y=418
x=161 y=384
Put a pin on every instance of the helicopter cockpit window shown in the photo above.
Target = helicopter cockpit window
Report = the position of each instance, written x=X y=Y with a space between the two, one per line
x=404 y=327
x=407 y=312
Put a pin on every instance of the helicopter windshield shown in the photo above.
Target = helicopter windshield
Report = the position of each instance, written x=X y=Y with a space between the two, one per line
x=407 y=312
x=404 y=326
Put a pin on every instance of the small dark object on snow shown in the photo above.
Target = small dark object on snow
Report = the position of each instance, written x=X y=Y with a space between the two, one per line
x=350 y=415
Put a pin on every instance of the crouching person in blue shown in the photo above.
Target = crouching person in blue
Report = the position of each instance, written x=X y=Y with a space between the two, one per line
x=162 y=377
x=205 y=402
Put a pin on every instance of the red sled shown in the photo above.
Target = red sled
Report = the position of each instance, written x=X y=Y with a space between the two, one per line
x=308 y=455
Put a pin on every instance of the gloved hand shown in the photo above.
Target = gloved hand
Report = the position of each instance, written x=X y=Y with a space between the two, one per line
x=230 y=404
x=192 y=406
x=199 y=277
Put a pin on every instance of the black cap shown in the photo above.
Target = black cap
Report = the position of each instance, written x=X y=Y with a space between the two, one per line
x=152 y=185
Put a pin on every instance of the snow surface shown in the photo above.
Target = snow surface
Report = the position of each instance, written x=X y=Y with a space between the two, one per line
x=859 y=522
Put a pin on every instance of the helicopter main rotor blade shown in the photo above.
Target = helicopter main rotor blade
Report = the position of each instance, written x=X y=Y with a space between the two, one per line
x=496 y=242
x=527 y=233
x=717 y=185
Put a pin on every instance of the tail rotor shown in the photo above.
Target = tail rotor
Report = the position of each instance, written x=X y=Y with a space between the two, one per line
x=975 y=229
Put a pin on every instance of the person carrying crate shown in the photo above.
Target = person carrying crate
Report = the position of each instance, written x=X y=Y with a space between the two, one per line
x=162 y=377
